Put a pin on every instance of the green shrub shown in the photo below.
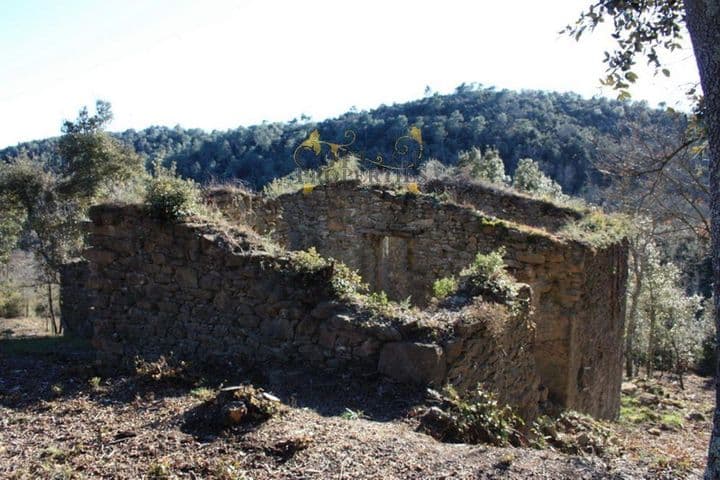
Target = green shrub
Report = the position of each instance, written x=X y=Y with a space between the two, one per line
x=345 y=281
x=707 y=359
x=11 y=303
x=290 y=183
x=378 y=300
x=170 y=197
x=490 y=265
x=309 y=260
x=488 y=275
x=488 y=167
x=444 y=287
x=477 y=418
x=378 y=303
x=529 y=178
x=345 y=168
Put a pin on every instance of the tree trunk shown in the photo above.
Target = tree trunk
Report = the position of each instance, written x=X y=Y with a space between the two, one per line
x=652 y=337
x=702 y=18
x=53 y=323
x=679 y=364
x=632 y=316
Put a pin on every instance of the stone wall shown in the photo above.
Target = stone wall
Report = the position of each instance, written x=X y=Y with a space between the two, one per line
x=74 y=305
x=512 y=206
x=401 y=243
x=212 y=296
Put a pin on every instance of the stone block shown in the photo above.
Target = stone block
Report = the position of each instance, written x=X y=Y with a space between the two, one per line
x=101 y=257
x=186 y=277
x=327 y=337
x=530 y=257
x=278 y=327
x=418 y=363
x=324 y=310
x=307 y=327
x=211 y=281
x=368 y=348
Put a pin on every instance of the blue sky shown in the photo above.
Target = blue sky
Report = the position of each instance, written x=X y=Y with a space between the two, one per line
x=218 y=64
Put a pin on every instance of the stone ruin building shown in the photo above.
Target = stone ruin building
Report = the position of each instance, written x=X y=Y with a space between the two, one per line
x=148 y=288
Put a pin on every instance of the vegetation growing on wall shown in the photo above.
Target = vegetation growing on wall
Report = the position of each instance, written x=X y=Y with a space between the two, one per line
x=599 y=229
x=170 y=197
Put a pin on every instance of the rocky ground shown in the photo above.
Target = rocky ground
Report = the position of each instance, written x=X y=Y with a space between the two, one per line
x=61 y=417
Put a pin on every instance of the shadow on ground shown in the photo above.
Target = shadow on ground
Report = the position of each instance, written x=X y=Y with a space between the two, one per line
x=38 y=369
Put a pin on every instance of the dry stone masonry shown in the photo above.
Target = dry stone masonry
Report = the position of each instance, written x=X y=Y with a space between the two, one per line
x=210 y=294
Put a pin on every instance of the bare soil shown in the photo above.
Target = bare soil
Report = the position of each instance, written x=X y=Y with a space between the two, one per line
x=61 y=417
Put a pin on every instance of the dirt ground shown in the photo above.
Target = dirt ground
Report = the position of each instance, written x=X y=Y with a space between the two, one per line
x=61 y=417
x=22 y=327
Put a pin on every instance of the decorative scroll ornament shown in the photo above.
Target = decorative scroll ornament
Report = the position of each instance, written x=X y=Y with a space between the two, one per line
x=314 y=144
x=400 y=151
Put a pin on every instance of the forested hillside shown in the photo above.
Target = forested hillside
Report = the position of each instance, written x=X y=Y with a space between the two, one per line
x=558 y=130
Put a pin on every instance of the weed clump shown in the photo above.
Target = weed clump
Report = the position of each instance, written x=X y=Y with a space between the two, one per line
x=345 y=282
x=166 y=370
x=486 y=276
x=444 y=287
x=573 y=433
x=478 y=418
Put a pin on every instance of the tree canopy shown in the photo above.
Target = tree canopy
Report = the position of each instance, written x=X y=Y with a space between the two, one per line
x=559 y=131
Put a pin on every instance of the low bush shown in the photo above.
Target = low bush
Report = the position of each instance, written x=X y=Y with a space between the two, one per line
x=599 y=229
x=487 y=276
x=170 y=197
x=345 y=168
x=345 y=281
x=444 y=287
x=477 y=418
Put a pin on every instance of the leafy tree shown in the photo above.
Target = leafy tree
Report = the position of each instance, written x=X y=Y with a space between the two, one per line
x=486 y=166
x=669 y=330
x=10 y=227
x=53 y=202
x=529 y=178
x=641 y=28
x=93 y=160
x=51 y=228
x=554 y=129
